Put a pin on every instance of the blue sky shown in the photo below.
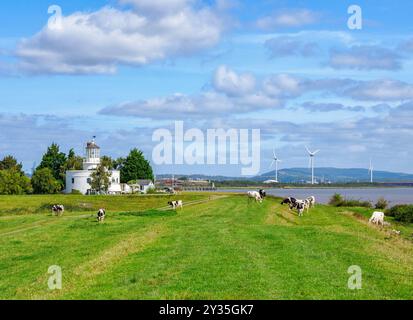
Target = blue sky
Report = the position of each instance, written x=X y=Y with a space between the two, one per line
x=120 y=69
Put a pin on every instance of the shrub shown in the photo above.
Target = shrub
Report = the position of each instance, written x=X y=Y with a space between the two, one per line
x=151 y=191
x=337 y=200
x=402 y=213
x=381 y=204
x=44 y=183
x=76 y=192
x=14 y=182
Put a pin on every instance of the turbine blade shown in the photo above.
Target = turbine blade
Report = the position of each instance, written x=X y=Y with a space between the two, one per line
x=315 y=152
x=272 y=163
x=308 y=150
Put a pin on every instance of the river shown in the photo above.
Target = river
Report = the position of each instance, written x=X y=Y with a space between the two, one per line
x=392 y=195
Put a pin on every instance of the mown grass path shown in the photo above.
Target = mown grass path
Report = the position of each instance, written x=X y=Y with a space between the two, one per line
x=216 y=248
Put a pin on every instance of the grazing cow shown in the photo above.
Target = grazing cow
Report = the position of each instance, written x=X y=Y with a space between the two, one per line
x=290 y=201
x=58 y=209
x=101 y=215
x=311 y=201
x=377 y=218
x=300 y=206
x=254 y=195
x=263 y=194
x=176 y=204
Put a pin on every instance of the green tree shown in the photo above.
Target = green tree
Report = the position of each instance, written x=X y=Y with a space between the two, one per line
x=135 y=167
x=44 y=182
x=107 y=162
x=14 y=182
x=118 y=163
x=100 y=179
x=73 y=161
x=56 y=162
x=10 y=162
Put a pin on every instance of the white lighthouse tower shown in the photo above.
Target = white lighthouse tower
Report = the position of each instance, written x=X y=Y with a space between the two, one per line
x=92 y=160
x=80 y=180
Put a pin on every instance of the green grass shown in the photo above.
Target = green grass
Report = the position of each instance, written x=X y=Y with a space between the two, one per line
x=224 y=248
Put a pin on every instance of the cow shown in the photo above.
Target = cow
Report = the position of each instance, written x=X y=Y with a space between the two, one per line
x=58 y=209
x=311 y=201
x=300 y=205
x=263 y=194
x=176 y=204
x=254 y=195
x=290 y=201
x=101 y=215
x=377 y=218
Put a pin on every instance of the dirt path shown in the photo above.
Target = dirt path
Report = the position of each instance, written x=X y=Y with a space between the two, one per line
x=47 y=222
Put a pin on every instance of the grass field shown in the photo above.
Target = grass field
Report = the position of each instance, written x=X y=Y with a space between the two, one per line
x=219 y=247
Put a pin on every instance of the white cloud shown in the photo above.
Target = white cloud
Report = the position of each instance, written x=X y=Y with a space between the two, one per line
x=288 y=19
x=288 y=46
x=99 y=41
x=232 y=83
x=236 y=93
x=365 y=58
x=157 y=6
x=283 y=85
x=381 y=90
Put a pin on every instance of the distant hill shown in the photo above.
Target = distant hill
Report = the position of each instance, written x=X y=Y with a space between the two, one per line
x=302 y=175
x=335 y=175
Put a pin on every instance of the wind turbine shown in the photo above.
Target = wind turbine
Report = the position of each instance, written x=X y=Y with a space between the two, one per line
x=312 y=155
x=275 y=161
x=371 y=170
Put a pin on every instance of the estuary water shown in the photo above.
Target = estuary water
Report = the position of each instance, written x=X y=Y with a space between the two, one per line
x=392 y=195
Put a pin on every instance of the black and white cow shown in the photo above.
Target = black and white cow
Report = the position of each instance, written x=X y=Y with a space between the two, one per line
x=300 y=205
x=58 y=209
x=311 y=201
x=254 y=195
x=101 y=215
x=176 y=204
x=292 y=202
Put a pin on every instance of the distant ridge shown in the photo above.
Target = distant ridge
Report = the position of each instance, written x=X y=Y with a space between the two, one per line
x=303 y=175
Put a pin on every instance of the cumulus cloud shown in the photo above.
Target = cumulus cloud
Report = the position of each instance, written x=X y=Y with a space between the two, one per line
x=27 y=137
x=235 y=93
x=157 y=6
x=231 y=93
x=99 y=41
x=232 y=83
x=330 y=107
x=288 y=19
x=365 y=58
x=289 y=46
x=380 y=90
x=284 y=85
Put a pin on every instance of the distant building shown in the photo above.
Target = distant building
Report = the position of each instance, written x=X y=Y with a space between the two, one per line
x=80 y=180
x=141 y=186
x=186 y=184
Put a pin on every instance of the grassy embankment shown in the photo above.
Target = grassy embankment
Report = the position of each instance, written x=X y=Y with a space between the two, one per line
x=224 y=248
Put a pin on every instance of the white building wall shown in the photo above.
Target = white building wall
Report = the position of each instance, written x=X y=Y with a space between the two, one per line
x=79 y=180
